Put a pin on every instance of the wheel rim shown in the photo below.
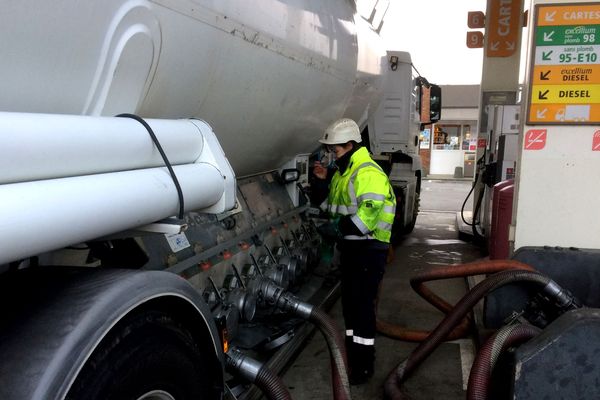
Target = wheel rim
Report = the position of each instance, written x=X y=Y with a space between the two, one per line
x=156 y=395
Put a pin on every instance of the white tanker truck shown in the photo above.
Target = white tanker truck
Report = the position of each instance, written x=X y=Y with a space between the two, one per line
x=146 y=141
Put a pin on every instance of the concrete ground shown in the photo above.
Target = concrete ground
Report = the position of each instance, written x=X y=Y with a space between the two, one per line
x=433 y=243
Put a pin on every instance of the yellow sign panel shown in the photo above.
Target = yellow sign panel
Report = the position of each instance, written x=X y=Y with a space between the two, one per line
x=566 y=74
x=570 y=113
x=569 y=15
x=565 y=94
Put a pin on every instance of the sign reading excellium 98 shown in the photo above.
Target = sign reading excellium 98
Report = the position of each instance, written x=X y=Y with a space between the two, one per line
x=565 y=69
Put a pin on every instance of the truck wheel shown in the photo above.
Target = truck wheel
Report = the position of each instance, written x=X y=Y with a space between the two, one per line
x=147 y=356
x=398 y=228
x=409 y=228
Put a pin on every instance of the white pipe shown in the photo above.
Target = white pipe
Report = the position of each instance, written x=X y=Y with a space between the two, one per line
x=45 y=146
x=40 y=216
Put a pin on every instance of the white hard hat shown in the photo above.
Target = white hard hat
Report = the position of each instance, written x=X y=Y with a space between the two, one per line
x=341 y=131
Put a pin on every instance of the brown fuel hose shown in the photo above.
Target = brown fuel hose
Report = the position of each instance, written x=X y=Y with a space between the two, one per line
x=415 y=335
x=271 y=385
x=254 y=371
x=460 y=271
x=425 y=348
x=337 y=351
x=481 y=370
x=452 y=271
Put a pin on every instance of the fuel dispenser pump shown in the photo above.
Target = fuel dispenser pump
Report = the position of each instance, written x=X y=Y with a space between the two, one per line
x=497 y=164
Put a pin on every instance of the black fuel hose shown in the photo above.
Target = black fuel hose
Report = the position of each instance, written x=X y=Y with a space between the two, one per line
x=483 y=366
x=404 y=369
x=462 y=209
x=337 y=352
x=473 y=224
x=476 y=215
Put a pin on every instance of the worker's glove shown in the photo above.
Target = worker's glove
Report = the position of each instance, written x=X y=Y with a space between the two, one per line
x=329 y=231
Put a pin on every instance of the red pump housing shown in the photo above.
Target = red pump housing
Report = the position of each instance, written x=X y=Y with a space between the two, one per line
x=502 y=205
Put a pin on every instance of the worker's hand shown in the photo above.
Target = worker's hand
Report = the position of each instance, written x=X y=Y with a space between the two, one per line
x=329 y=231
x=319 y=170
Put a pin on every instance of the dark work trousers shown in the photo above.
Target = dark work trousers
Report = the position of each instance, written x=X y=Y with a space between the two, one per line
x=362 y=264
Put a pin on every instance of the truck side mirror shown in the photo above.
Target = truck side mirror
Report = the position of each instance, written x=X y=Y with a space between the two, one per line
x=435 y=103
x=430 y=104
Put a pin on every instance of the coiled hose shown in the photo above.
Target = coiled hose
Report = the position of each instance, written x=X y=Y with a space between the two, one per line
x=404 y=369
x=337 y=352
x=481 y=371
x=454 y=271
x=259 y=374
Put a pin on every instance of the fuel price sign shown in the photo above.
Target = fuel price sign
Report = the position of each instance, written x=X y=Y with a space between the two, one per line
x=565 y=68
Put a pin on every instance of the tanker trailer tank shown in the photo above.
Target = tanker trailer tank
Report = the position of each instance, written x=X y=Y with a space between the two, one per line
x=84 y=190
x=268 y=77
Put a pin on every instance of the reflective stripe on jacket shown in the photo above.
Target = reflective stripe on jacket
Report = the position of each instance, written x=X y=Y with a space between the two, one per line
x=364 y=192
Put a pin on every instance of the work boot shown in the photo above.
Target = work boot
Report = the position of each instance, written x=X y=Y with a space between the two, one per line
x=359 y=376
x=361 y=367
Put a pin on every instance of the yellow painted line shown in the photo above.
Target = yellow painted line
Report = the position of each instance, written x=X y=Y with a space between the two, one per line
x=567 y=94
x=564 y=113
x=566 y=74
x=569 y=15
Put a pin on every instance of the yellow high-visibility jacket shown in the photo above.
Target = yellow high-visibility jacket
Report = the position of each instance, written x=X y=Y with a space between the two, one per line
x=364 y=193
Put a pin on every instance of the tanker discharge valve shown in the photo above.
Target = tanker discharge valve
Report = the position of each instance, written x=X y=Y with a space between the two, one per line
x=276 y=272
x=230 y=307
x=289 y=263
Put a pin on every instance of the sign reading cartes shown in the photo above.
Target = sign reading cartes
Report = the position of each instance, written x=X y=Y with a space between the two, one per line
x=565 y=68
x=503 y=27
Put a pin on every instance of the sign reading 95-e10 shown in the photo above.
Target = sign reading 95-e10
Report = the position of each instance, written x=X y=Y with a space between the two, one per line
x=565 y=68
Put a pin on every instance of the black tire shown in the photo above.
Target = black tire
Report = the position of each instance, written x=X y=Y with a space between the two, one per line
x=409 y=228
x=398 y=228
x=147 y=351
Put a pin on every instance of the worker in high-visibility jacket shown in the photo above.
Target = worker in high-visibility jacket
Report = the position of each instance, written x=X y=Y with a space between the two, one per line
x=361 y=201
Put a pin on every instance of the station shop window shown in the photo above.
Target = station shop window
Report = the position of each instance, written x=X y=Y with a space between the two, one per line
x=453 y=137
x=446 y=137
x=469 y=140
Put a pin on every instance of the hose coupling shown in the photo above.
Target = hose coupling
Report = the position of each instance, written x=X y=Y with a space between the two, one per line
x=241 y=364
x=563 y=299
x=270 y=295
x=294 y=305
